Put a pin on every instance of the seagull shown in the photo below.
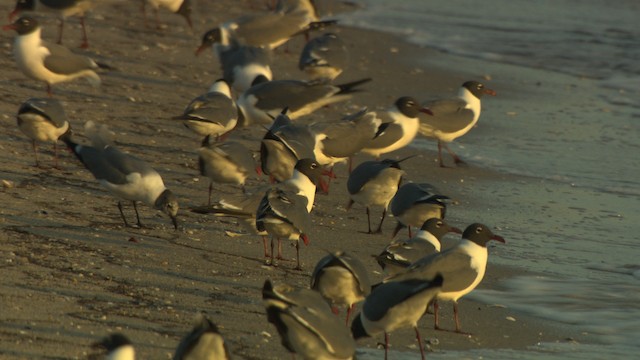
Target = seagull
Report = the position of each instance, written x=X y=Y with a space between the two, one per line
x=118 y=347
x=283 y=145
x=284 y=210
x=338 y=141
x=211 y=114
x=463 y=266
x=241 y=64
x=262 y=102
x=399 y=127
x=124 y=175
x=225 y=162
x=374 y=183
x=180 y=7
x=203 y=342
x=305 y=323
x=64 y=9
x=415 y=203
x=453 y=118
x=272 y=29
x=341 y=279
x=324 y=57
x=400 y=254
x=51 y=63
x=43 y=120
x=395 y=305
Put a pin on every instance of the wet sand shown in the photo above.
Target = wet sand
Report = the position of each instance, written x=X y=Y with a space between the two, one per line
x=73 y=273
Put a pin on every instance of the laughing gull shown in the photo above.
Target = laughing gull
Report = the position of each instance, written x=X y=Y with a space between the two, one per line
x=43 y=120
x=463 y=266
x=203 y=342
x=227 y=162
x=324 y=57
x=124 y=175
x=399 y=127
x=374 y=183
x=271 y=29
x=400 y=254
x=395 y=305
x=283 y=145
x=262 y=102
x=453 y=118
x=414 y=204
x=44 y=61
x=180 y=7
x=338 y=141
x=118 y=347
x=341 y=279
x=64 y=9
x=241 y=64
x=305 y=323
x=284 y=210
x=213 y=113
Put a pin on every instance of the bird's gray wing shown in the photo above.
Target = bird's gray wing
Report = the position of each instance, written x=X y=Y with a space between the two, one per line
x=449 y=116
x=387 y=295
x=410 y=194
x=294 y=94
x=356 y=267
x=362 y=174
x=325 y=50
x=49 y=109
x=239 y=154
x=63 y=61
x=271 y=27
x=390 y=133
x=453 y=264
x=211 y=107
x=346 y=138
x=286 y=206
x=298 y=139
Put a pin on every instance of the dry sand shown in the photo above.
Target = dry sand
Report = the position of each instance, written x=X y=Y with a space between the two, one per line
x=73 y=273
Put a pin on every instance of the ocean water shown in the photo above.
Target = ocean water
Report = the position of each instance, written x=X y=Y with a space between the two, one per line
x=567 y=119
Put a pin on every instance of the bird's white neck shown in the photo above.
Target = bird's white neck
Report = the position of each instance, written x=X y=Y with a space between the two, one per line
x=429 y=237
x=221 y=87
x=473 y=103
x=305 y=187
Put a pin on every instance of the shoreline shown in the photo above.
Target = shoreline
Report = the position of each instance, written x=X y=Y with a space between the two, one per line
x=73 y=275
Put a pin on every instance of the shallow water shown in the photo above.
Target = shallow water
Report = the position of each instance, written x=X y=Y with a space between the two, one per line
x=567 y=119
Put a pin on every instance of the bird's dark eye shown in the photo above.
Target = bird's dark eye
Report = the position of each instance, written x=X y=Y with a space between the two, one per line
x=439 y=224
x=479 y=229
x=314 y=165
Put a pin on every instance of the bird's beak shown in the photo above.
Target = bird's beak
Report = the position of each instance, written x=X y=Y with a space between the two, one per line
x=498 y=238
x=490 y=92
x=426 y=111
x=456 y=230
x=12 y=15
x=201 y=48
x=9 y=27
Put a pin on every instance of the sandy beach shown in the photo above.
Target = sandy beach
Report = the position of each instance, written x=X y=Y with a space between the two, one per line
x=72 y=272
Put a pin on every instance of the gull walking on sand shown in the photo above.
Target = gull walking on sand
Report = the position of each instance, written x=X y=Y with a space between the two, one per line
x=203 y=342
x=415 y=203
x=399 y=127
x=453 y=118
x=342 y=280
x=47 y=62
x=374 y=183
x=305 y=323
x=43 y=120
x=395 y=305
x=124 y=175
x=463 y=266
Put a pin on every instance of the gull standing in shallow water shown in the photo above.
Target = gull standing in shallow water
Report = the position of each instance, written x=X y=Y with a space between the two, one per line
x=43 y=120
x=44 y=61
x=124 y=175
x=463 y=266
x=453 y=118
